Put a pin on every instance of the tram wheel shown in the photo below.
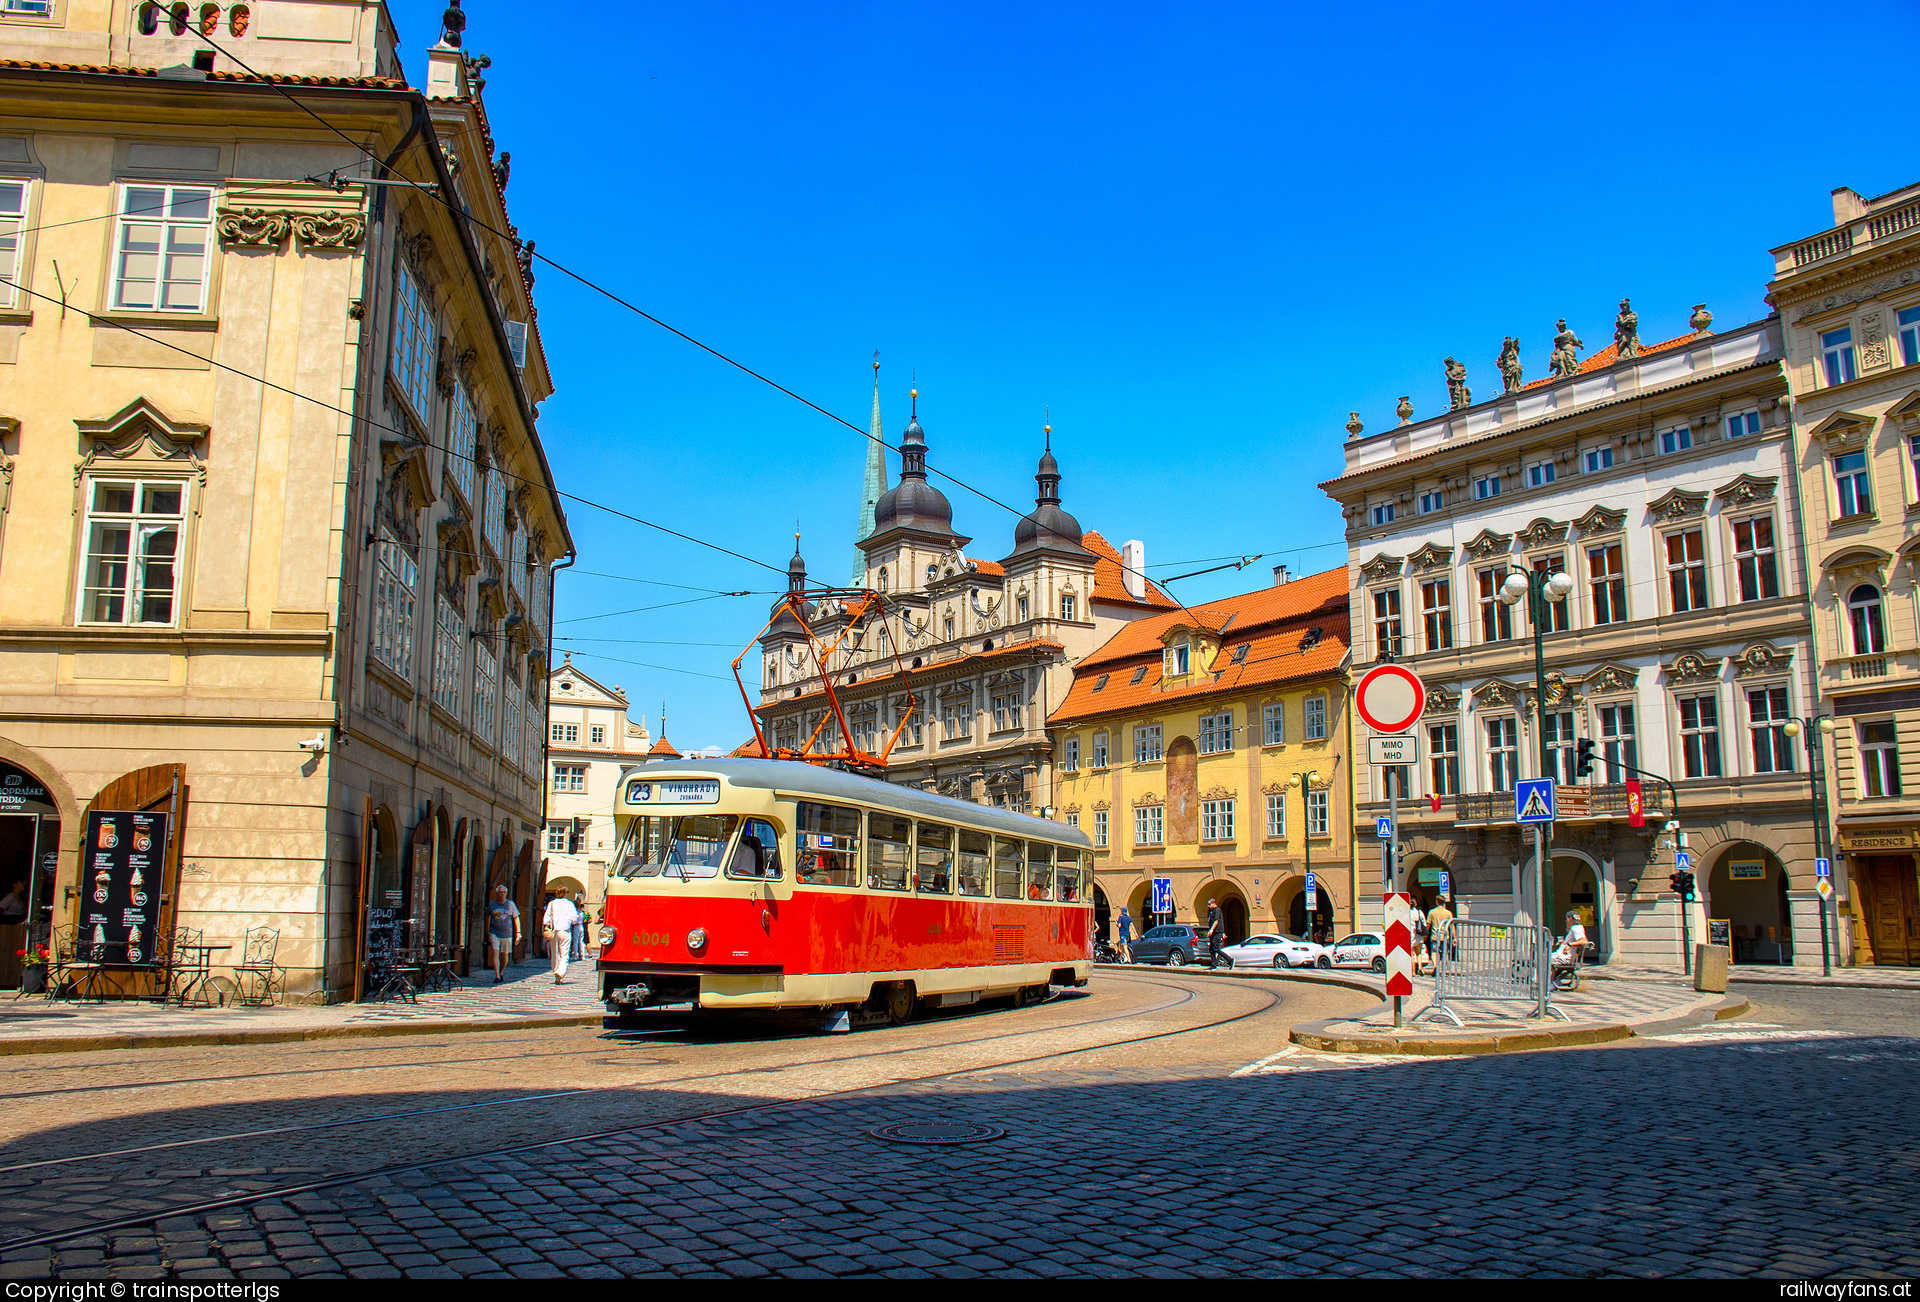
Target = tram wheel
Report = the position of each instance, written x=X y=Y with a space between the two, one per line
x=902 y=1004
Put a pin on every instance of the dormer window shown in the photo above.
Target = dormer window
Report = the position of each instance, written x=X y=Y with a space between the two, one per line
x=1177 y=659
x=1240 y=653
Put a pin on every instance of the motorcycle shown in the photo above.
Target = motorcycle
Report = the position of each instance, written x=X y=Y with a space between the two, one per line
x=1105 y=953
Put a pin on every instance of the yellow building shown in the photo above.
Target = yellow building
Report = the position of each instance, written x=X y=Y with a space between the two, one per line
x=1210 y=746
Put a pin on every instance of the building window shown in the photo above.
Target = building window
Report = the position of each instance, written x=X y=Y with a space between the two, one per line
x=1608 y=582
x=1386 y=621
x=1316 y=813
x=512 y=732
x=1559 y=617
x=1100 y=828
x=1073 y=821
x=1753 y=558
x=486 y=689
x=1599 y=459
x=1432 y=501
x=565 y=733
x=1148 y=824
x=1277 y=816
x=956 y=720
x=462 y=428
x=1852 y=485
x=1070 y=755
x=947 y=629
x=1836 y=355
x=1273 y=725
x=160 y=263
x=1067 y=608
x=599 y=735
x=13 y=212
x=1503 y=753
x=1396 y=780
x=1146 y=744
x=449 y=639
x=1496 y=616
x=1540 y=474
x=570 y=778
x=1742 y=423
x=1700 y=736
x=1177 y=658
x=1383 y=513
x=1864 y=617
x=1486 y=487
x=1436 y=613
x=1216 y=733
x=1766 y=724
x=1677 y=439
x=1559 y=741
x=1006 y=712
x=133 y=542
x=1443 y=758
x=1910 y=336
x=1021 y=608
x=558 y=833
x=395 y=577
x=1099 y=750
x=496 y=513
x=1687 y=570
x=1314 y=712
x=1216 y=820
x=1617 y=744
x=1880 y=758
x=1913 y=456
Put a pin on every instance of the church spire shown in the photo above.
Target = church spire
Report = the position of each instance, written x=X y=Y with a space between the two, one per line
x=876 y=482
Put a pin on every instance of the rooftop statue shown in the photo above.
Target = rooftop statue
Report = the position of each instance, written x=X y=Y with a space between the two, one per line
x=1458 y=394
x=1565 y=361
x=1626 y=331
x=1510 y=369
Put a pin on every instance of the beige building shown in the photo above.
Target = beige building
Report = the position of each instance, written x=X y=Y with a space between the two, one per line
x=1849 y=303
x=277 y=528
x=590 y=741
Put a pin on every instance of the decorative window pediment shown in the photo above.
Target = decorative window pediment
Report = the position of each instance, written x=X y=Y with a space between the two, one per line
x=1843 y=429
x=142 y=435
x=1542 y=531
x=1488 y=543
x=1441 y=701
x=1856 y=563
x=1432 y=557
x=1690 y=668
x=1761 y=658
x=1906 y=412
x=1495 y=692
x=1746 y=489
x=1274 y=789
x=1218 y=793
x=1382 y=566
x=1600 y=520
x=1103 y=804
x=1148 y=798
x=1611 y=679
x=954 y=691
x=1678 y=504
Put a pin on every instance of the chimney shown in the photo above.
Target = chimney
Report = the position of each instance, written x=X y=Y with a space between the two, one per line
x=1848 y=206
x=1133 y=569
x=1280 y=576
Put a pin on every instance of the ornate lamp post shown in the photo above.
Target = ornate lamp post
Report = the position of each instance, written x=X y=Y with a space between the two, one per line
x=1817 y=727
x=1305 y=782
x=1538 y=588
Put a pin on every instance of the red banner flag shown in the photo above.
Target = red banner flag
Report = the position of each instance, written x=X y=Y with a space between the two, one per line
x=1636 y=811
x=1436 y=803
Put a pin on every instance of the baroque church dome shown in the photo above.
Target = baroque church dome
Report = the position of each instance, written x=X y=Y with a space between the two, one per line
x=913 y=503
x=1046 y=525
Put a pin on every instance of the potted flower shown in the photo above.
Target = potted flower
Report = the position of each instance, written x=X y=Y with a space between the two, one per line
x=33 y=970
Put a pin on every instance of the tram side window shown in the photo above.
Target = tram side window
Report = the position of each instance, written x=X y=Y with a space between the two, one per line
x=1039 y=870
x=827 y=850
x=888 y=847
x=933 y=860
x=975 y=862
x=757 y=853
x=1007 y=868
x=1067 y=868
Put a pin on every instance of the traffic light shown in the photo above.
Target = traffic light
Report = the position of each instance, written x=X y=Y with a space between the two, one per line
x=1686 y=887
x=1676 y=884
x=1583 y=757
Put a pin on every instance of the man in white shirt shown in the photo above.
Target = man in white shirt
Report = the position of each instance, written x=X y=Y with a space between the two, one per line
x=557 y=923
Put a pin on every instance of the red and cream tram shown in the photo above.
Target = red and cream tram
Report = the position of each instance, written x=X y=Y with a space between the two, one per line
x=774 y=885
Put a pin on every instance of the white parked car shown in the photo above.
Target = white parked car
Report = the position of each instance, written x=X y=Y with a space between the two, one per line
x=1273 y=951
x=1362 y=949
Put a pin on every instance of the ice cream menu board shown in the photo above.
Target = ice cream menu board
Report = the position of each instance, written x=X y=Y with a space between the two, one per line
x=120 y=877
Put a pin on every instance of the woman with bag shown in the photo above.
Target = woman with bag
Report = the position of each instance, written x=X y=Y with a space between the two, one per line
x=557 y=923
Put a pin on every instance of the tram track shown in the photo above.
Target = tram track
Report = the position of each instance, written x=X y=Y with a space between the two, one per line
x=204 y=1206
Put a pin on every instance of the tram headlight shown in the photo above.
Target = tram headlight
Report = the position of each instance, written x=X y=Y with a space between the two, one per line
x=607 y=936
x=697 y=938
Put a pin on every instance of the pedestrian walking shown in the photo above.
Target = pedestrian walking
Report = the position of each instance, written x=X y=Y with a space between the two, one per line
x=579 y=933
x=1216 y=933
x=1126 y=935
x=1438 y=924
x=557 y=924
x=503 y=931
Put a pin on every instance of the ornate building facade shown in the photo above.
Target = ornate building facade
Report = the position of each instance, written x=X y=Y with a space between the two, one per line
x=1849 y=304
x=1660 y=479
x=987 y=646
x=1210 y=746
x=275 y=553
x=590 y=741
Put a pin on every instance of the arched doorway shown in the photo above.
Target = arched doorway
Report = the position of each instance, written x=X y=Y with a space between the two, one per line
x=1140 y=906
x=29 y=862
x=1423 y=882
x=1748 y=888
x=1293 y=897
x=1102 y=915
x=1233 y=909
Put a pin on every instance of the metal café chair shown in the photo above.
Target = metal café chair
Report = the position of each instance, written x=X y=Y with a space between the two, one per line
x=259 y=977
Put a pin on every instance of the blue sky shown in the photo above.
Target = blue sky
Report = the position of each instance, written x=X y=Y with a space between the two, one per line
x=1199 y=234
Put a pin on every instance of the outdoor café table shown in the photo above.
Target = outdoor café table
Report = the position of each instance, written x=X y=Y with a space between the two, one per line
x=406 y=976
x=195 y=963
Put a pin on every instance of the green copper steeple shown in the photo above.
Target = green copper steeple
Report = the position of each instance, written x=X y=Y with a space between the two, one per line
x=876 y=483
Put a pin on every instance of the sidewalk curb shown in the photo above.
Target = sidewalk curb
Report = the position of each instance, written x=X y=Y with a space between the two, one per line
x=368 y=1031
x=1741 y=979
x=1305 y=976
x=1312 y=1035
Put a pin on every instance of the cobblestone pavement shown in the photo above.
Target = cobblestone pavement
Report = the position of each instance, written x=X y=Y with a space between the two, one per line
x=1904 y=978
x=1594 y=1003
x=1788 y=1145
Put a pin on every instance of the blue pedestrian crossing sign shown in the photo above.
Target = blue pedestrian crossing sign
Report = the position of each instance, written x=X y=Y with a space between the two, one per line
x=1683 y=860
x=1163 y=895
x=1821 y=868
x=1383 y=828
x=1533 y=801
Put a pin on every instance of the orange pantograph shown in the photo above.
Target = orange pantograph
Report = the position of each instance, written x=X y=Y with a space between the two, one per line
x=862 y=606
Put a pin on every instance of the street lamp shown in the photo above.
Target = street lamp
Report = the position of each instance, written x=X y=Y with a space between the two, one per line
x=1538 y=588
x=1816 y=728
x=1305 y=781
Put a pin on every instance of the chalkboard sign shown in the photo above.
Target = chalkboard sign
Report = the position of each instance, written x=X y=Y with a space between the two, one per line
x=1720 y=931
x=383 y=942
x=120 y=883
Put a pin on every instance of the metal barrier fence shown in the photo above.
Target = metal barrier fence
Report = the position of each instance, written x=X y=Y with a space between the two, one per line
x=1485 y=960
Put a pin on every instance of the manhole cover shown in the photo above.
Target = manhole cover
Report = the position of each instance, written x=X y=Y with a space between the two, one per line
x=633 y=1060
x=936 y=1132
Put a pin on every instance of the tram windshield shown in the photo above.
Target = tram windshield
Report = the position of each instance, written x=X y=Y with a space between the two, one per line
x=692 y=845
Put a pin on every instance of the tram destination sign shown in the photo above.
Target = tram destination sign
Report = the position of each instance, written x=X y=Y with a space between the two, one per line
x=690 y=791
x=120 y=900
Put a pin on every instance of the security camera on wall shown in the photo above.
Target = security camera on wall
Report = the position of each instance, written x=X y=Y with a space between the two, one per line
x=316 y=743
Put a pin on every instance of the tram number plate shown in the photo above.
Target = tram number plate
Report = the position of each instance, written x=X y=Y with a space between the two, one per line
x=702 y=791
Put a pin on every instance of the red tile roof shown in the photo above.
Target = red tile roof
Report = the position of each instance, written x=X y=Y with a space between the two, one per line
x=1108 y=575
x=278 y=79
x=993 y=568
x=664 y=747
x=748 y=750
x=1607 y=356
x=1270 y=622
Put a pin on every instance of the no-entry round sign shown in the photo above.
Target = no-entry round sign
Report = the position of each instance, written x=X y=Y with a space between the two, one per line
x=1390 y=698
